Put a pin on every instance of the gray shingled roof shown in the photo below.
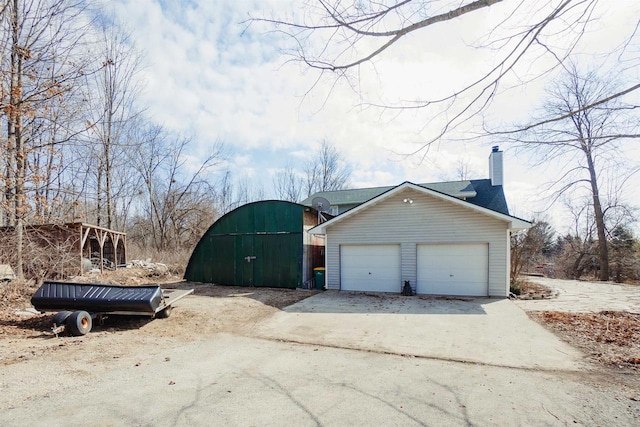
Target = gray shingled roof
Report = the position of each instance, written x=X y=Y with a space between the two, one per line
x=458 y=189
x=479 y=192
x=489 y=196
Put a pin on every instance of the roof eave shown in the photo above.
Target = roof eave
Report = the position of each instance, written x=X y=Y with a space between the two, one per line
x=519 y=224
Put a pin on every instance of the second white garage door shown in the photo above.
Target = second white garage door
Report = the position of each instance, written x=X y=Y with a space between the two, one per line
x=453 y=269
x=373 y=268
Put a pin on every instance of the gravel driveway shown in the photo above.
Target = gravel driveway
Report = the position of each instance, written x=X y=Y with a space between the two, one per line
x=584 y=297
x=210 y=364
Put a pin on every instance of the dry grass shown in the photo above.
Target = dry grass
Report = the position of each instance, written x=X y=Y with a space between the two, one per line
x=16 y=293
x=608 y=337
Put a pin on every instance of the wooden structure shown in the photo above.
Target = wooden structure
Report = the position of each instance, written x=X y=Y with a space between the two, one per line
x=107 y=247
x=72 y=245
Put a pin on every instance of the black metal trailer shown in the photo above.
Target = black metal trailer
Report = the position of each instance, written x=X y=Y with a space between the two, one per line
x=79 y=304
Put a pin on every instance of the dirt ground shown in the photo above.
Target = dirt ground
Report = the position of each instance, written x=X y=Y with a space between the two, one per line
x=206 y=313
x=611 y=339
x=142 y=348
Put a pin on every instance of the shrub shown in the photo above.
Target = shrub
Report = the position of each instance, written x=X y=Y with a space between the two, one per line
x=515 y=288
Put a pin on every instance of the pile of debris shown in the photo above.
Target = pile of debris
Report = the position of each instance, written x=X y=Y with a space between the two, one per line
x=134 y=273
x=154 y=268
x=529 y=290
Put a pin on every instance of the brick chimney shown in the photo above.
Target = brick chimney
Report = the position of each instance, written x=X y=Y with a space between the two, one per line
x=496 y=171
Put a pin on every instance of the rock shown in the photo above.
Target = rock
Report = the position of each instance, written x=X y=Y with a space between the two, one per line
x=6 y=273
x=86 y=265
x=161 y=268
x=30 y=311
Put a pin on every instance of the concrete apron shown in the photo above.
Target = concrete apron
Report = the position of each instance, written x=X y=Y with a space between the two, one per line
x=481 y=330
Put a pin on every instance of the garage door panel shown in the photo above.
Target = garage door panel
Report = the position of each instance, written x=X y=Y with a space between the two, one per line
x=453 y=269
x=370 y=268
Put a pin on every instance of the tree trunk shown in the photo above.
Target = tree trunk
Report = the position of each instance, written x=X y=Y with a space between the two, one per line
x=603 y=250
x=14 y=96
x=107 y=180
x=576 y=270
x=21 y=208
x=99 y=196
x=18 y=143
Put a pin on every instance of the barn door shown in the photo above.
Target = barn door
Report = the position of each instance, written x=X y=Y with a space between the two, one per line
x=245 y=260
x=273 y=260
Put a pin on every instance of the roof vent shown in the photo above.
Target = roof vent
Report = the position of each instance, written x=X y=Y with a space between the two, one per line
x=496 y=169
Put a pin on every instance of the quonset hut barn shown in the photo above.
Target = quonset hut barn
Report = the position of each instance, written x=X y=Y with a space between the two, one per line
x=259 y=244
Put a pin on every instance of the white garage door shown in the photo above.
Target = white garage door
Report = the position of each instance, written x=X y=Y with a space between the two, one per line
x=450 y=269
x=373 y=268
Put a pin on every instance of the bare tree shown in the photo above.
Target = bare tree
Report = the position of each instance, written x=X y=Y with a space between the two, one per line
x=586 y=142
x=344 y=40
x=245 y=191
x=288 y=185
x=232 y=193
x=52 y=133
x=576 y=251
x=40 y=63
x=49 y=253
x=530 y=247
x=327 y=170
x=177 y=196
x=576 y=256
x=224 y=194
x=111 y=93
x=462 y=172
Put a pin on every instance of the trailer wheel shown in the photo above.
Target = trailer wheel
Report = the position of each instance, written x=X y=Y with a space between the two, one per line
x=164 y=313
x=60 y=318
x=79 y=323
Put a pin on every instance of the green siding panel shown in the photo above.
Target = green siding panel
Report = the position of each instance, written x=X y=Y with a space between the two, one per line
x=259 y=244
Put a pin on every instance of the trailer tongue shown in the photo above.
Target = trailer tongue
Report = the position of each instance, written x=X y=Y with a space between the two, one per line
x=78 y=304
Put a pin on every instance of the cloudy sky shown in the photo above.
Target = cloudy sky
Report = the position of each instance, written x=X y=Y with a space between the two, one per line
x=209 y=75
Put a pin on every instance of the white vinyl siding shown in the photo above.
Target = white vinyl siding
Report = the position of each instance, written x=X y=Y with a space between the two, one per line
x=408 y=263
x=428 y=220
x=370 y=268
x=453 y=269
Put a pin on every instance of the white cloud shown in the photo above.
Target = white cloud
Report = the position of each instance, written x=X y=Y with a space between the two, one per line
x=211 y=76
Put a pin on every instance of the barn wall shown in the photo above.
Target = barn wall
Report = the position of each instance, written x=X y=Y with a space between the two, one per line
x=258 y=244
